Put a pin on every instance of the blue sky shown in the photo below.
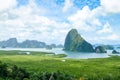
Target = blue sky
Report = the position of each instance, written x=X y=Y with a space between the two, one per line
x=98 y=21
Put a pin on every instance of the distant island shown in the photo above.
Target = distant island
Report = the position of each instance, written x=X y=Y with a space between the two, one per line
x=74 y=42
x=13 y=43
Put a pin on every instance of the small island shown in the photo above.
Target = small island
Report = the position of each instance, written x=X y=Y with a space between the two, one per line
x=3 y=47
x=48 y=47
x=74 y=42
x=100 y=49
x=115 y=52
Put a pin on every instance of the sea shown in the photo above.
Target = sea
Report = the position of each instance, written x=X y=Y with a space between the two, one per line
x=74 y=55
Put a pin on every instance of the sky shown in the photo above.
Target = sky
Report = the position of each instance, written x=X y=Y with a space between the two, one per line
x=97 y=21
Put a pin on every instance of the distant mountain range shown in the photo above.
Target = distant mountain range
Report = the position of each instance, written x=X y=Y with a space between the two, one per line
x=13 y=43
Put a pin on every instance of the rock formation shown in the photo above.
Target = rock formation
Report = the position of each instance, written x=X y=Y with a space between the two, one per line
x=74 y=42
x=115 y=52
x=100 y=49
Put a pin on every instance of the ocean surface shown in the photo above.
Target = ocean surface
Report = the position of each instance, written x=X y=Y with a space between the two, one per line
x=75 y=55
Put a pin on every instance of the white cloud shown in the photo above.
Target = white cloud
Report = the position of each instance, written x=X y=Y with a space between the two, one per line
x=105 y=39
x=111 y=37
x=7 y=4
x=89 y=21
x=106 y=29
x=85 y=19
x=29 y=24
x=67 y=5
x=111 y=6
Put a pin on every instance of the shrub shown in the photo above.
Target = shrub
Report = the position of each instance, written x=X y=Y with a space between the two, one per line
x=12 y=72
x=3 y=70
x=52 y=76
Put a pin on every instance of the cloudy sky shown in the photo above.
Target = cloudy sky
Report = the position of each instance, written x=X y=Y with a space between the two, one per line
x=98 y=21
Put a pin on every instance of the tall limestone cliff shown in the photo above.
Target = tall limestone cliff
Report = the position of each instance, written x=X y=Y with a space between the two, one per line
x=74 y=42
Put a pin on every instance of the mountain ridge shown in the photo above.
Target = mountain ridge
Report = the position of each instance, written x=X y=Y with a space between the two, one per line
x=13 y=43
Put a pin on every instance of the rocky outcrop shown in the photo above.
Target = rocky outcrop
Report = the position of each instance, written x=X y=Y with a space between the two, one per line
x=32 y=44
x=100 y=49
x=74 y=42
x=115 y=52
x=13 y=43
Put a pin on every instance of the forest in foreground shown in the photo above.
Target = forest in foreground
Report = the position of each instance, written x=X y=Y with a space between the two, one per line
x=48 y=66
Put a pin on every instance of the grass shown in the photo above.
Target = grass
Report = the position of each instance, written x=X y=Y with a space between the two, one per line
x=89 y=69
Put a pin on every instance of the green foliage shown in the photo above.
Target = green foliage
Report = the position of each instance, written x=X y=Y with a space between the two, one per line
x=12 y=72
x=3 y=70
x=51 y=76
x=18 y=52
x=60 y=55
x=74 y=42
x=37 y=65
x=100 y=49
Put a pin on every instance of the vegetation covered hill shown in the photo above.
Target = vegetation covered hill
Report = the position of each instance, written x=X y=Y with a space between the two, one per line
x=74 y=42
x=100 y=49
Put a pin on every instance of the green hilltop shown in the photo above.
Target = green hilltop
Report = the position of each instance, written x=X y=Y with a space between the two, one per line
x=74 y=42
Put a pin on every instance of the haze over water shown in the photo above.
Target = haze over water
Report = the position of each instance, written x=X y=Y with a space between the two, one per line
x=74 y=55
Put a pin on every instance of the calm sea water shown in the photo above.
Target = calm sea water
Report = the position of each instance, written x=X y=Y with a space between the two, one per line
x=75 y=55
